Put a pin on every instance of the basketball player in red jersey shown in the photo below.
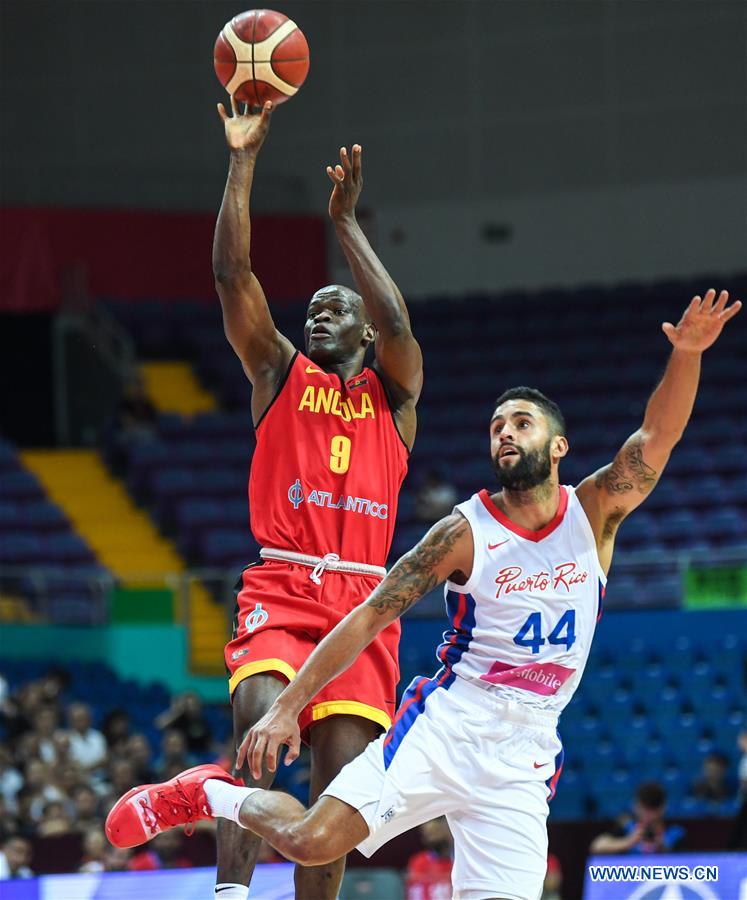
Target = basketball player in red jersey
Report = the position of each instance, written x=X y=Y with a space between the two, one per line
x=333 y=439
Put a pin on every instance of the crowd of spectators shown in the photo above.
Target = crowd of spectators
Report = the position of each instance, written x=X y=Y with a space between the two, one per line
x=60 y=775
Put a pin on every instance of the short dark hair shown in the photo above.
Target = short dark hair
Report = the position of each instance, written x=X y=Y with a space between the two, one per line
x=549 y=407
x=651 y=795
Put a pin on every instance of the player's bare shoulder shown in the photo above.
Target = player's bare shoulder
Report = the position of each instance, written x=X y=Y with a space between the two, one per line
x=402 y=402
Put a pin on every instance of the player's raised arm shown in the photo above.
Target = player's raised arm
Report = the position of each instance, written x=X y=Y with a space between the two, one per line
x=444 y=553
x=397 y=352
x=263 y=351
x=614 y=491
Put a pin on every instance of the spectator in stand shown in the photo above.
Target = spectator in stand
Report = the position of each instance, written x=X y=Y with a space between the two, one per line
x=54 y=820
x=86 y=814
x=552 y=888
x=116 y=729
x=738 y=839
x=428 y=874
x=9 y=825
x=116 y=859
x=26 y=748
x=62 y=748
x=87 y=745
x=185 y=714
x=68 y=778
x=138 y=751
x=95 y=846
x=44 y=726
x=435 y=498
x=713 y=785
x=53 y=684
x=163 y=852
x=643 y=831
x=11 y=779
x=20 y=711
x=173 y=756
x=24 y=816
x=15 y=859
x=121 y=773
x=43 y=791
x=742 y=766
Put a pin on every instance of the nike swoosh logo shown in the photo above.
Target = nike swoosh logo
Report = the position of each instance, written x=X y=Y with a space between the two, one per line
x=499 y=544
x=539 y=765
x=310 y=370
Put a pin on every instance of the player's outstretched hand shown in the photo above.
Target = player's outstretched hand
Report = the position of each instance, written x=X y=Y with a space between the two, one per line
x=347 y=179
x=701 y=322
x=263 y=741
x=247 y=130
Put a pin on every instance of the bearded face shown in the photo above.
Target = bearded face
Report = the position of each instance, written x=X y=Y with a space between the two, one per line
x=525 y=470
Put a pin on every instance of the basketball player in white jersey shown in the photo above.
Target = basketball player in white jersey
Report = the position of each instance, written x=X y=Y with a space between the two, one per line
x=525 y=570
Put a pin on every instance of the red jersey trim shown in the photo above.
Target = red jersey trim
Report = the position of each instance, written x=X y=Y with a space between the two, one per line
x=391 y=410
x=279 y=391
x=527 y=533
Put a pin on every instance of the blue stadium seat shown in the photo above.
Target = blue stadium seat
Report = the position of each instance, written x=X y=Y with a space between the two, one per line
x=43 y=516
x=19 y=485
x=724 y=525
x=68 y=548
x=10 y=514
x=22 y=547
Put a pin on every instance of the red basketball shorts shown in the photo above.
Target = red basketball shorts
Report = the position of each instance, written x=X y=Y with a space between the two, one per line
x=281 y=615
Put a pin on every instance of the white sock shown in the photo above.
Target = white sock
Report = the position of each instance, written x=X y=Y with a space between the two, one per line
x=225 y=799
x=231 y=891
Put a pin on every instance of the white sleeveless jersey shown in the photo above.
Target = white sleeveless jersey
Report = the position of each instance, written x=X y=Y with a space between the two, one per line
x=522 y=625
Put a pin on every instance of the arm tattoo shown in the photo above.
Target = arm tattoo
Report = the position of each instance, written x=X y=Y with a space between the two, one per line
x=628 y=472
x=415 y=573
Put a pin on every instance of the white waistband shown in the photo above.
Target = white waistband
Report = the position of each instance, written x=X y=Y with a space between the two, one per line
x=318 y=564
x=509 y=710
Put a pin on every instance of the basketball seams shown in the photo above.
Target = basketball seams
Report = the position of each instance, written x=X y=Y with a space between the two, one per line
x=256 y=60
x=254 y=38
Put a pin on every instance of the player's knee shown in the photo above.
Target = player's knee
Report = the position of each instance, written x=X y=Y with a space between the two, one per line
x=308 y=844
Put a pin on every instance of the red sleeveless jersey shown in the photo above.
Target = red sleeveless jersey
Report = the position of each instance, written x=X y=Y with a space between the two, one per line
x=328 y=466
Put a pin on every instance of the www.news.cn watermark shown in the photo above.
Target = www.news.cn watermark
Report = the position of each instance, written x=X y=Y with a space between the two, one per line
x=653 y=873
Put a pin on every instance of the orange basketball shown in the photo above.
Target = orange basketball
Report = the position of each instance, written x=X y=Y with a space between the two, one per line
x=261 y=55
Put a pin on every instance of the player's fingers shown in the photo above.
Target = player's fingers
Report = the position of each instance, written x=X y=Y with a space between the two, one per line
x=266 y=111
x=669 y=330
x=241 y=754
x=234 y=106
x=708 y=300
x=723 y=298
x=345 y=160
x=333 y=176
x=731 y=311
x=256 y=757
x=694 y=305
x=271 y=754
x=294 y=748
x=222 y=112
x=357 y=150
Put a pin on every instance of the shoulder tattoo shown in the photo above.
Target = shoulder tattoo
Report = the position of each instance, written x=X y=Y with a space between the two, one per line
x=415 y=573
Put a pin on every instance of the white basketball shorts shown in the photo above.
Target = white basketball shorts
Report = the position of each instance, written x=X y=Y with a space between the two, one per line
x=490 y=765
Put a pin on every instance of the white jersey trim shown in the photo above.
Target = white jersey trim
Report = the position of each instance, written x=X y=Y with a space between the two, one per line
x=478 y=552
x=586 y=525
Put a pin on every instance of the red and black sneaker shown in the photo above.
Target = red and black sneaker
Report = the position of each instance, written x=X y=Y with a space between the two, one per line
x=145 y=811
